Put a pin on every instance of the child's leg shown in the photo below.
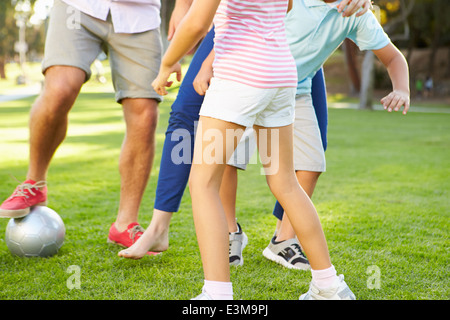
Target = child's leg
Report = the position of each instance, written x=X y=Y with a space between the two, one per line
x=308 y=181
x=204 y=184
x=296 y=203
x=228 y=191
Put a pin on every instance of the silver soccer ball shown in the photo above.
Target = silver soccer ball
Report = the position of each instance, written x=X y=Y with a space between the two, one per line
x=39 y=234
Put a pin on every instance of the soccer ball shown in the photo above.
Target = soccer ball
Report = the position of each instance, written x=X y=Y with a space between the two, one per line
x=39 y=234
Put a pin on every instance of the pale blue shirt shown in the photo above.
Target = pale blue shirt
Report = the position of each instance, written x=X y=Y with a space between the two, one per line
x=315 y=30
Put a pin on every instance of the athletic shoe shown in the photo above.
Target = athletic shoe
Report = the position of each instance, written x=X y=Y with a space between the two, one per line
x=26 y=195
x=238 y=241
x=203 y=296
x=338 y=291
x=288 y=253
x=128 y=237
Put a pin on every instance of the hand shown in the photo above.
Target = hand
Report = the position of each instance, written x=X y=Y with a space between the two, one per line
x=160 y=83
x=352 y=6
x=178 y=13
x=395 y=100
x=202 y=80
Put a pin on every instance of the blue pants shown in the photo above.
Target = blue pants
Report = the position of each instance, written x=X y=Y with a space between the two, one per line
x=173 y=178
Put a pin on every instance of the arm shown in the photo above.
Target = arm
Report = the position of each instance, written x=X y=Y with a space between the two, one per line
x=204 y=75
x=289 y=5
x=178 y=13
x=352 y=6
x=397 y=68
x=191 y=29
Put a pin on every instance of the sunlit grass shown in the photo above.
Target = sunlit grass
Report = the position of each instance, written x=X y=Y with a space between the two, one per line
x=383 y=202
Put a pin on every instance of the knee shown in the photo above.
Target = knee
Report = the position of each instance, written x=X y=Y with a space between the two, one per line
x=141 y=118
x=201 y=183
x=281 y=185
x=62 y=84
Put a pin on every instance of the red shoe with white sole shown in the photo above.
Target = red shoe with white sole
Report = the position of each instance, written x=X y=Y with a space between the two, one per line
x=128 y=237
x=28 y=194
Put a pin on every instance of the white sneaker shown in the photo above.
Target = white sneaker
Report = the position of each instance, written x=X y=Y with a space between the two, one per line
x=203 y=296
x=237 y=242
x=288 y=253
x=338 y=291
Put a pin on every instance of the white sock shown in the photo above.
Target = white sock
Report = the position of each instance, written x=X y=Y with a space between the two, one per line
x=219 y=290
x=324 y=278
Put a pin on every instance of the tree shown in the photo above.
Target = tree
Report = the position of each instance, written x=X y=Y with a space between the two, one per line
x=9 y=31
x=8 y=34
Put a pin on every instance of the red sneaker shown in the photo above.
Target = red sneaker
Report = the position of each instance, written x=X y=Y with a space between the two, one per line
x=128 y=237
x=27 y=195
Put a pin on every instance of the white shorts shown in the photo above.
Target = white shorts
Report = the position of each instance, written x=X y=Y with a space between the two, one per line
x=247 y=106
x=308 y=149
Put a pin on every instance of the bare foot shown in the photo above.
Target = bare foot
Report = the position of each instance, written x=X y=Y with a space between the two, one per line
x=153 y=241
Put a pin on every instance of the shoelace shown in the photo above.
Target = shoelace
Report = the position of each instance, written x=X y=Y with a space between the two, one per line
x=134 y=231
x=22 y=188
x=297 y=248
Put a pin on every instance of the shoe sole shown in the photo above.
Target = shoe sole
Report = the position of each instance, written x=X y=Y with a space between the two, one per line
x=276 y=258
x=16 y=214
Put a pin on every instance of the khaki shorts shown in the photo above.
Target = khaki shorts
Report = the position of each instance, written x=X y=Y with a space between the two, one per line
x=76 y=39
x=308 y=149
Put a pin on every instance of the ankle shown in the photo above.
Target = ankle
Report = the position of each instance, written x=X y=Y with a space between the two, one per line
x=324 y=278
x=39 y=184
x=219 y=290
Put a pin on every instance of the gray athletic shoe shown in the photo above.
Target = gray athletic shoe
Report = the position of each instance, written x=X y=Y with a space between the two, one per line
x=238 y=241
x=339 y=291
x=288 y=253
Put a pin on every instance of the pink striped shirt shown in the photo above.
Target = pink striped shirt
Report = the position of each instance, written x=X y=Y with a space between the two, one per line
x=250 y=44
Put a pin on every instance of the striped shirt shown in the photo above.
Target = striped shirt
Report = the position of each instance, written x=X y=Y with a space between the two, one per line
x=250 y=44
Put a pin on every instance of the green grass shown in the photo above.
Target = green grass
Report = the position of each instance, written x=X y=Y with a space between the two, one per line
x=384 y=202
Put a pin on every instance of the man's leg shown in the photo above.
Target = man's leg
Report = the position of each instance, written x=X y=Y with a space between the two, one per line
x=48 y=128
x=49 y=117
x=136 y=158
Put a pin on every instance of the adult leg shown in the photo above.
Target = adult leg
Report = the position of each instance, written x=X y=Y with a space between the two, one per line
x=136 y=157
x=49 y=116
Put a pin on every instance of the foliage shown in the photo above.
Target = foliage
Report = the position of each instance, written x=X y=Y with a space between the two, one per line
x=428 y=18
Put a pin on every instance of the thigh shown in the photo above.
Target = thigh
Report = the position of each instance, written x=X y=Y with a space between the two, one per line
x=244 y=150
x=70 y=44
x=135 y=61
x=275 y=144
x=212 y=149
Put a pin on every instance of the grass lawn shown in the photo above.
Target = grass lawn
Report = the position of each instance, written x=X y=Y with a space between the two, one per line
x=383 y=203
